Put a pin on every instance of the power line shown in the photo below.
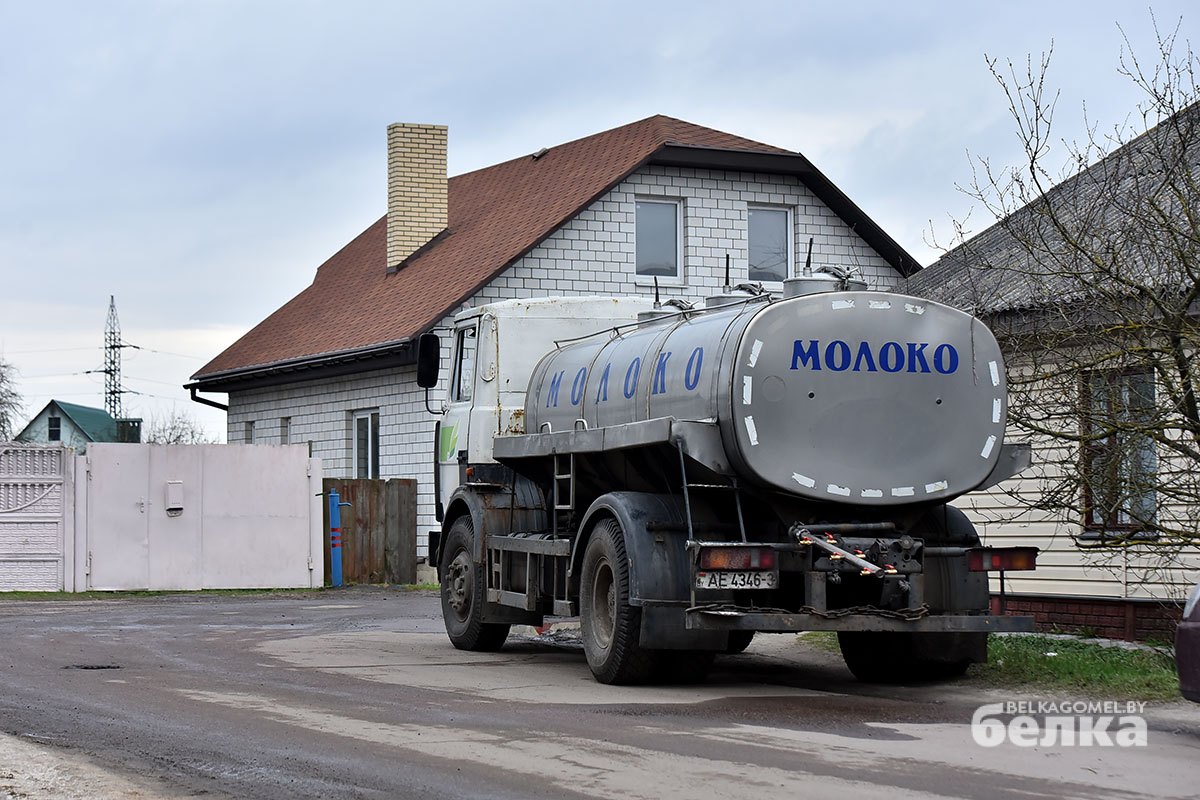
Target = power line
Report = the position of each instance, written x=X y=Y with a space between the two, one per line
x=153 y=380
x=160 y=352
x=46 y=350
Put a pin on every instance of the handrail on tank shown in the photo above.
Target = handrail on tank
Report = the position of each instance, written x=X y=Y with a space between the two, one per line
x=685 y=313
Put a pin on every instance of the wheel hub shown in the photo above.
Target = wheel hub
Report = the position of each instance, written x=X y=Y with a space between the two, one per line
x=459 y=584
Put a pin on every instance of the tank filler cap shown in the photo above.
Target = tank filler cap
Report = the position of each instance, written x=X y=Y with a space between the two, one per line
x=742 y=293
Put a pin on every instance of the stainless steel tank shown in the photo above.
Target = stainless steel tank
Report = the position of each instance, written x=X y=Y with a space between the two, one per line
x=867 y=398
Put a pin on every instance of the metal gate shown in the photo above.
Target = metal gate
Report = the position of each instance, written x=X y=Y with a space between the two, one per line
x=34 y=503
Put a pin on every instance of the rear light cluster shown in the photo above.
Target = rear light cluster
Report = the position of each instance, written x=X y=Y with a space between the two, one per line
x=737 y=558
x=1004 y=559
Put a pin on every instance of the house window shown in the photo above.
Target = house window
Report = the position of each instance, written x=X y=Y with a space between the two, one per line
x=1120 y=464
x=364 y=442
x=769 y=235
x=285 y=430
x=54 y=429
x=657 y=238
x=249 y=438
x=464 y=365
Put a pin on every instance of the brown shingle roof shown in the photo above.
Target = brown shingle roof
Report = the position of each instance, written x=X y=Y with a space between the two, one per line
x=495 y=216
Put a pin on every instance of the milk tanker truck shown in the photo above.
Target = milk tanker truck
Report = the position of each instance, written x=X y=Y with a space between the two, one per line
x=682 y=478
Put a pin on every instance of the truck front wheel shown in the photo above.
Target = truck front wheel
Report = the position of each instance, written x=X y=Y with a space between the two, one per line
x=463 y=593
x=610 y=626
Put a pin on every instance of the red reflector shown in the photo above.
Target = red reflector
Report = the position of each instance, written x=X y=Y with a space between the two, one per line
x=987 y=559
x=737 y=558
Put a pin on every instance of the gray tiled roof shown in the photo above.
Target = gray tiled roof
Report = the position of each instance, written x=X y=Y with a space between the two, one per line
x=1131 y=218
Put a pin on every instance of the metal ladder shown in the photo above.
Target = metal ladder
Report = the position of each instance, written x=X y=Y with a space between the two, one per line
x=687 y=498
x=564 y=490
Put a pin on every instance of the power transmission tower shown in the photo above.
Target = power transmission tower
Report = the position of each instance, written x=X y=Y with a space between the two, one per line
x=112 y=362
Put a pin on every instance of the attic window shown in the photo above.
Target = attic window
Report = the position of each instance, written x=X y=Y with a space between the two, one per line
x=657 y=238
x=769 y=234
x=54 y=429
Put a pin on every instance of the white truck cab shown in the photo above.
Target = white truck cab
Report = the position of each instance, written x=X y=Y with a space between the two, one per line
x=493 y=352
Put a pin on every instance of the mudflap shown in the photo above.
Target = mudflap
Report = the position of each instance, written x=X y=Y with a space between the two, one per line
x=664 y=627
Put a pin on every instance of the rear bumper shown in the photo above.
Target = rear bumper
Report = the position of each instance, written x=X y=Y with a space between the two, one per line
x=728 y=619
x=1187 y=658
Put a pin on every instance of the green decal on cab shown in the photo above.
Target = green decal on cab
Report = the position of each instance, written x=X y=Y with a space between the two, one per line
x=449 y=443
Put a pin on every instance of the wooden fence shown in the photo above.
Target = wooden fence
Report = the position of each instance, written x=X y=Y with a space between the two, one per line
x=379 y=530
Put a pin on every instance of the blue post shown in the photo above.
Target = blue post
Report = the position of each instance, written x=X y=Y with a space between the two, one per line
x=335 y=537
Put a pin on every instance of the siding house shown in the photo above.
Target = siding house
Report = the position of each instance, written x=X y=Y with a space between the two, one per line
x=77 y=426
x=1092 y=289
x=661 y=198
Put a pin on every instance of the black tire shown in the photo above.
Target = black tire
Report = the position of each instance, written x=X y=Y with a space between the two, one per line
x=738 y=642
x=610 y=626
x=463 y=593
x=895 y=657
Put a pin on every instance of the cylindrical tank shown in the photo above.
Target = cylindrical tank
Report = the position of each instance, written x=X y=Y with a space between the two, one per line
x=869 y=398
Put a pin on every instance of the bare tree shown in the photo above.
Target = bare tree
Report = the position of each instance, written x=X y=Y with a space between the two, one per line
x=11 y=402
x=1090 y=277
x=176 y=427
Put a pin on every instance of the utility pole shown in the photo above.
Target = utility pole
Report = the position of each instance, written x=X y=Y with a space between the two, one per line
x=112 y=362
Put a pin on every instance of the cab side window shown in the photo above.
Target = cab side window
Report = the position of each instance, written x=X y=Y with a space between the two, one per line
x=464 y=365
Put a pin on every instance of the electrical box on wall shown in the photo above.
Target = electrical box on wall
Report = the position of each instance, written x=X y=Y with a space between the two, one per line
x=174 y=502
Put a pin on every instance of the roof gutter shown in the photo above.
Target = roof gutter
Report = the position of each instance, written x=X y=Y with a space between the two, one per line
x=379 y=356
x=204 y=401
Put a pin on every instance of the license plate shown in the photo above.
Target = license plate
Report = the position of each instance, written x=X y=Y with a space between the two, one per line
x=738 y=579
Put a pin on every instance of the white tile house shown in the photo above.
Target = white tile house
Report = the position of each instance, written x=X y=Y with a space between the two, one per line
x=372 y=422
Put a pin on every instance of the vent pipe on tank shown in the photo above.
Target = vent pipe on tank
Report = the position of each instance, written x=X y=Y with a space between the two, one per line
x=826 y=279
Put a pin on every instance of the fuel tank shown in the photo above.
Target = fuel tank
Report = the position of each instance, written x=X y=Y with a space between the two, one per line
x=866 y=398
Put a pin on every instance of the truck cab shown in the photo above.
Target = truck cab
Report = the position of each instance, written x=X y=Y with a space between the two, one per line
x=493 y=351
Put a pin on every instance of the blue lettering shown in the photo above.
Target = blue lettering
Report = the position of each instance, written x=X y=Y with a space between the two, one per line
x=916 y=355
x=864 y=354
x=578 y=385
x=806 y=355
x=602 y=389
x=896 y=362
x=552 y=395
x=840 y=349
x=660 y=374
x=690 y=378
x=631 y=377
x=949 y=363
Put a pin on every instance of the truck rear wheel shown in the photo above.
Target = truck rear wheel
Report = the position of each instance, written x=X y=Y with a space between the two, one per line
x=463 y=593
x=610 y=626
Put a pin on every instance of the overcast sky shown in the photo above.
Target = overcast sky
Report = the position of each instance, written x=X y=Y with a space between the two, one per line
x=199 y=159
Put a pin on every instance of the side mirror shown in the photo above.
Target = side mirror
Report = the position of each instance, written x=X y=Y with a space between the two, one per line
x=429 y=356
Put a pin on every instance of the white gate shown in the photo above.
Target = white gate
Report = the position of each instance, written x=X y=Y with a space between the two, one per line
x=35 y=505
x=198 y=517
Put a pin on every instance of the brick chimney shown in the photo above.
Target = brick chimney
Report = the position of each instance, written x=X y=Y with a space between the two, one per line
x=416 y=188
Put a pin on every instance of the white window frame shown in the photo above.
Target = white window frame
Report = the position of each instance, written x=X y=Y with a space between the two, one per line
x=679 y=278
x=285 y=430
x=790 y=268
x=371 y=416
x=249 y=434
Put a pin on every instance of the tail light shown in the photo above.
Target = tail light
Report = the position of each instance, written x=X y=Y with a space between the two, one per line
x=737 y=558
x=1001 y=559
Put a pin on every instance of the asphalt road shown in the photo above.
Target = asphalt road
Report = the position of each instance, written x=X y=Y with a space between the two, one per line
x=358 y=693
